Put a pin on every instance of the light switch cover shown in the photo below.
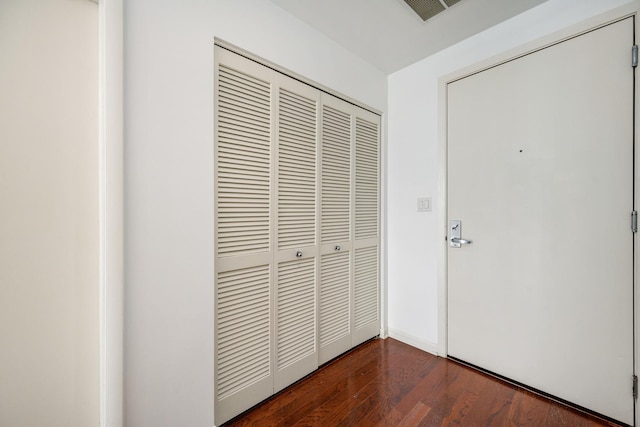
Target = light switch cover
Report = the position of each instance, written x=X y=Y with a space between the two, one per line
x=424 y=204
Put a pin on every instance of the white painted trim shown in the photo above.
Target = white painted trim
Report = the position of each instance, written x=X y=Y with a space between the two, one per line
x=384 y=292
x=414 y=341
x=636 y=240
x=630 y=9
x=110 y=40
x=587 y=25
x=441 y=218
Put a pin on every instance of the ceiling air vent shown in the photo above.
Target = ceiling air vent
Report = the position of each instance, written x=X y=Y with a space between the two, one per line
x=427 y=9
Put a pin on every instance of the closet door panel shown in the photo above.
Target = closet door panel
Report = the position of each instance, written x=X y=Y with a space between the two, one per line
x=366 y=295
x=244 y=114
x=367 y=179
x=366 y=227
x=244 y=163
x=336 y=171
x=335 y=305
x=296 y=352
x=297 y=169
x=336 y=228
x=243 y=351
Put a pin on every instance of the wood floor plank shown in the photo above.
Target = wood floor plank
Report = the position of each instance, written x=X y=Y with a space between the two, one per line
x=493 y=405
x=388 y=383
x=380 y=395
x=393 y=418
x=431 y=381
x=526 y=410
x=560 y=416
x=452 y=402
x=415 y=416
x=344 y=399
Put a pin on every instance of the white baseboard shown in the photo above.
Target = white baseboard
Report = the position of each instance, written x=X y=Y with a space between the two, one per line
x=414 y=341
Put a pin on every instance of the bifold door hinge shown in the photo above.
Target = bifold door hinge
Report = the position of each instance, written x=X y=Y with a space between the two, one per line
x=634 y=56
x=635 y=386
x=634 y=221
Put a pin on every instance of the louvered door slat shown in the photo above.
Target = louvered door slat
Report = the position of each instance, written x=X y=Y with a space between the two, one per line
x=296 y=311
x=334 y=297
x=242 y=159
x=336 y=228
x=243 y=321
x=244 y=163
x=297 y=186
x=297 y=146
x=366 y=227
x=243 y=210
x=366 y=286
x=367 y=199
x=336 y=175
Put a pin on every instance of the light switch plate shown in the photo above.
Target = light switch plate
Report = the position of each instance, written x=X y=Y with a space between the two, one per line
x=424 y=204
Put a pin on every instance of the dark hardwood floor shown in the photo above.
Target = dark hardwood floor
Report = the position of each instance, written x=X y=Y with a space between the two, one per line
x=388 y=383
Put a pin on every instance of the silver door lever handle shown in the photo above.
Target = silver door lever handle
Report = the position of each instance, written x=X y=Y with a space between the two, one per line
x=461 y=241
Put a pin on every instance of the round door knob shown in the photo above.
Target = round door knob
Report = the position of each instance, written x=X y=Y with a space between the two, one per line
x=337 y=247
x=299 y=254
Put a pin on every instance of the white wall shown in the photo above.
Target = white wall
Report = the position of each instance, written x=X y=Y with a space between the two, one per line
x=49 y=223
x=414 y=238
x=169 y=183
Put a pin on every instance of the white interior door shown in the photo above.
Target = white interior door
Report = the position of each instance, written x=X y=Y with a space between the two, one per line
x=540 y=172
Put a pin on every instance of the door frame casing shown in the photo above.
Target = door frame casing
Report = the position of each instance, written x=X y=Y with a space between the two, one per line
x=629 y=10
x=111 y=207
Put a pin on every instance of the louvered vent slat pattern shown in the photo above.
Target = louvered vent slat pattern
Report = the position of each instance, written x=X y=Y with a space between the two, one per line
x=336 y=175
x=297 y=139
x=242 y=341
x=244 y=163
x=366 y=179
x=296 y=320
x=366 y=286
x=334 y=297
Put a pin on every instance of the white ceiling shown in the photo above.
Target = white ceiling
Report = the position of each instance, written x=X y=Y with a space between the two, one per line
x=391 y=36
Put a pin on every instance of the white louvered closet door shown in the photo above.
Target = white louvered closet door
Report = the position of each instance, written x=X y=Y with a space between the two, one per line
x=296 y=352
x=366 y=287
x=243 y=305
x=296 y=223
x=335 y=228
